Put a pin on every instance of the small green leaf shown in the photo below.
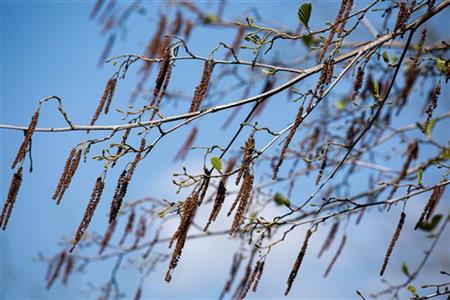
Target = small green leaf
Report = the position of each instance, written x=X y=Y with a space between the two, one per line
x=429 y=128
x=341 y=104
x=216 y=163
x=405 y=269
x=386 y=57
x=445 y=154
x=430 y=226
x=304 y=13
x=281 y=200
x=419 y=176
x=412 y=289
x=442 y=65
x=376 y=89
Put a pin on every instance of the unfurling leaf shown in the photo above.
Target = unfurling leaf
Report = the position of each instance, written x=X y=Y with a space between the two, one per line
x=429 y=128
x=419 y=176
x=442 y=65
x=304 y=13
x=281 y=200
x=386 y=57
x=405 y=269
x=412 y=289
x=430 y=226
x=216 y=163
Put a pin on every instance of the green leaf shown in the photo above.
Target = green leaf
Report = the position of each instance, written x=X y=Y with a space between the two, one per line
x=405 y=269
x=304 y=13
x=216 y=163
x=281 y=200
x=419 y=176
x=430 y=226
x=429 y=128
x=442 y=65
x=376 y=89
x=412 y=289
x=386 y=57
x=445 y=154
x=341 y=104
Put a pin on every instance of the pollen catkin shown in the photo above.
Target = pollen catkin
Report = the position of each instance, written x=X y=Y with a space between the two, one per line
x=333 y=30
x=322 y=165
x=248 y=155
x=358 y=83
x=128 y=227
x=236 y=42
x=68 y=269
x=12 y=195
x=220 y=194
x=68 y=176
x=393 y=241
x=260 y=265
x=122 y=144
x=119 y=194
x=107 y=96
x=336 y=256
x=201 y=89
x=57 y=269
x=250 y=281
x=237 y=260
x=64 y=174
x=163 y=68
x=431 y=205
x=138 y=294
x=26 y=141
x=162 y=93
x=403 y=15
x=189 y=209
x=432 y=104
x=107 y=237
x=181 y=155
x=298 y=262
x=90 y=209
x=287 y=142
x=243 y=198
x=112 y=90
x=330 y=238
x=140 y=231
x=204 y=186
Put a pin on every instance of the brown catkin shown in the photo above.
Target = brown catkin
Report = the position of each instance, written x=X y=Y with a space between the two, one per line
x=181 y=155
x=432 y=104
x=201 y=89
x=287 y=142
x=260 y=265
x=358 y=83
x=237 y=260
x=163 y=68
x=26 y=141
x=403 y=15
x=336 y=256
x=107 y=237
x=64 y=173
x=298 y=262
x=330 y=238
x=138 y=294
x=392 y=243
x=140 y=230
x=322 y=165
x=333 y=30
x=189 y=209
x=247 y=272
x=68 y=269
x=244 y=199
x=68 y=178
x=204 y=186
x=220 y=194
x=250 y=281
x=12 y=195
x=89 y=212
x=106 y=95
x=236 y=42
x=119 y=194
x=112 y=90
x=122 y=144
x=162 y=93
x=431 y=205
x=128 y=227
x=58 y=264
x=248 y=155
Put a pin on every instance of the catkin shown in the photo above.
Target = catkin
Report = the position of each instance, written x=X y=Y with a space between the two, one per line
x=392 y=243
x=246 y=160
x=287 y=142
x=330 y=238
x=68 y=269
x=201 y=89
x=26 y=141
x=68 y=176
x=12 y=195
x=58 y=264
x=89 y=212
x=336 y=256
x=432 y=104
x=107 y=237
x=237 y=260
x=128 y=227
x=112 y=90
x=119 y=194
x=189 y=209
x=107 y=97
x=181 y=155
x=404 y=13
x=243 y=198
x=322 y=165
x=298 y=262
x=431 y=205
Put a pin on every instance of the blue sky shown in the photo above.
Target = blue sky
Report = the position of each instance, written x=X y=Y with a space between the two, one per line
x=51 y=48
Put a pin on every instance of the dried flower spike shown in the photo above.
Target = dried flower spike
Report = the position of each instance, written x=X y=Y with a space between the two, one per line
x=12 y=195
x=392 y=243
x=26 y=141
x=201 y=89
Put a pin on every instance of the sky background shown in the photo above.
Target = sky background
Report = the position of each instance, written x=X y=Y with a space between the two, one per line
x=52 y=48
